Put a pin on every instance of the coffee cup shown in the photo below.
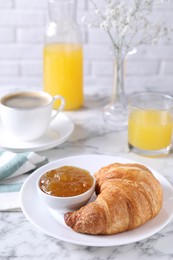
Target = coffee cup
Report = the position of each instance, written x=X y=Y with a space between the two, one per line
x=27 y=114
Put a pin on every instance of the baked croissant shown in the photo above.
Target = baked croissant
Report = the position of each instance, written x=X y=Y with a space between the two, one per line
x=128 y=196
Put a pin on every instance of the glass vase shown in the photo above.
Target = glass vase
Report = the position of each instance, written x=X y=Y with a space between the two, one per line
x=115 y=113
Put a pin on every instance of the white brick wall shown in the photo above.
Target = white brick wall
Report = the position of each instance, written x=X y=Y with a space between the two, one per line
x=22 y=27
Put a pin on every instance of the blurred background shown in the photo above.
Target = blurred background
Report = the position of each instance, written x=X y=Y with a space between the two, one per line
x=22 y=30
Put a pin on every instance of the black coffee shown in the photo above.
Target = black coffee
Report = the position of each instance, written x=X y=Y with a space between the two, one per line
x=25 y=101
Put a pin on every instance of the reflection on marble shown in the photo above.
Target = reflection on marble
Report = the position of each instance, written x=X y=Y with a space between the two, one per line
x=20 y=240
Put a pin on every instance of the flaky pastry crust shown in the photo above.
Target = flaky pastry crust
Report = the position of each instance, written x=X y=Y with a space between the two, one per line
x=128 y=196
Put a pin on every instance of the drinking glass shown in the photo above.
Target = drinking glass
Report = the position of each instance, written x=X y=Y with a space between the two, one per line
x=150 y=123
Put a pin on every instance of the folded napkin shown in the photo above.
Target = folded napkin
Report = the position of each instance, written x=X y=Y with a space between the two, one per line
x=14 y=169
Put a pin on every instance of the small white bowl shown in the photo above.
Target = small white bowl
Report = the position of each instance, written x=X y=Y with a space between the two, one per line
x=65 y=204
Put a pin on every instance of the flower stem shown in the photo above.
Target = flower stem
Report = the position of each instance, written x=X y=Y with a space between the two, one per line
x=118 y=80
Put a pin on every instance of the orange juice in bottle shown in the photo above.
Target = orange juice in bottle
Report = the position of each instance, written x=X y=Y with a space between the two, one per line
x=63 y=55
x=63 y=72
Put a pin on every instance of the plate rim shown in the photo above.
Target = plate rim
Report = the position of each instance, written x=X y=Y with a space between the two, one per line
x=83 y=243
x=47 y=146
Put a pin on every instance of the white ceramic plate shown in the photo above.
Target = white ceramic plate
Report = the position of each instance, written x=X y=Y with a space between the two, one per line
x=59 y=131
x=52 y=223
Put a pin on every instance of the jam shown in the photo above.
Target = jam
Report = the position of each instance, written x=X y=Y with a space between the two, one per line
x=66 y=181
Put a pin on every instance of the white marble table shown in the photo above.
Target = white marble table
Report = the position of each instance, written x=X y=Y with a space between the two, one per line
x=19 y=239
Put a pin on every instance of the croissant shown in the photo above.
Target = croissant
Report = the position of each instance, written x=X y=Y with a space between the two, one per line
x=128 y=196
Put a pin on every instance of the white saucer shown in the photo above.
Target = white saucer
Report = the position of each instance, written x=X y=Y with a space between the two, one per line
x=59 y=131
x=52 y=223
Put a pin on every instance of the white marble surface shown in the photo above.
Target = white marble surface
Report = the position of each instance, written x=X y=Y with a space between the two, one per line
x=19 y=239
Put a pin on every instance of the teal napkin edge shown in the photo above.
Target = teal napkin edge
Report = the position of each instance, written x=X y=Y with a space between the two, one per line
x=10 y=187
x=17 y=186
x=1 y=152
x=13 y=165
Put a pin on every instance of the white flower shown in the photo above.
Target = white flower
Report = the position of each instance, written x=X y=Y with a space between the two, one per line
x=128 y=23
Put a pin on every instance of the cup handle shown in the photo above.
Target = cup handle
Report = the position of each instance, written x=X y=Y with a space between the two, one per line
x=60 y=107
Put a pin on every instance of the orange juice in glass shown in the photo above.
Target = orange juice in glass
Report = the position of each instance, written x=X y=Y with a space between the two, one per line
x=63 y=72
x=150 y=124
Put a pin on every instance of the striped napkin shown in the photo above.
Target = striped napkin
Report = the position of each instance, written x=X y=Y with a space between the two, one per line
x=14 y=169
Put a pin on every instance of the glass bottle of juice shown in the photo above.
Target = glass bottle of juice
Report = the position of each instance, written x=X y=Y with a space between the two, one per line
x=63 y=56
